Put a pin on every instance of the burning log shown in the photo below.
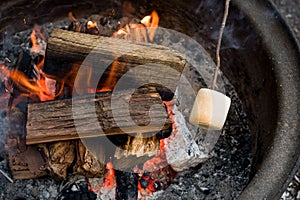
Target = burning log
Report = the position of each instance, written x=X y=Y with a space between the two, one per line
x=57 y=117
x=66 y=50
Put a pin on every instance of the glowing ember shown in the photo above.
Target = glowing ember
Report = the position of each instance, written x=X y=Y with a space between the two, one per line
x=158 y=161
x=146 y=186
x=91 y=24
x=105 y=188
x=34 y=47
x=110 y=179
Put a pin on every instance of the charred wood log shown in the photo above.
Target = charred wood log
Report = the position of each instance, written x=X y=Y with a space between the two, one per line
x=24 y=161
x=54 y=120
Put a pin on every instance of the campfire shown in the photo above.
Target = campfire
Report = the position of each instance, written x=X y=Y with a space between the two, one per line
x=90 y=99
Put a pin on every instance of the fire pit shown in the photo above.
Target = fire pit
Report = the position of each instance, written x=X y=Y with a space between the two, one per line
x=260 y=59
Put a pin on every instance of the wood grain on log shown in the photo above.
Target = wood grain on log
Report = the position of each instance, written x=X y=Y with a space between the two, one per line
x=66 y=49
x=54 y=121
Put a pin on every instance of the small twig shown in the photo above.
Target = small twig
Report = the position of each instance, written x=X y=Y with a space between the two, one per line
x=6 y=176
x=214 y=82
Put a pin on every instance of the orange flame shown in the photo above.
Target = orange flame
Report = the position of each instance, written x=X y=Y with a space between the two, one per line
x=71 y=17
x=35 y=34
x=34 y=47
x=91 y=24
x=43 y=87
x=33 y=87
x=151 y=22
x=112 y=78
x=110 y=179
x=142 y=32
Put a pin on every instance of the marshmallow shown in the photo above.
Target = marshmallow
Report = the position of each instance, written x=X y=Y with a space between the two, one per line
x=210 y=109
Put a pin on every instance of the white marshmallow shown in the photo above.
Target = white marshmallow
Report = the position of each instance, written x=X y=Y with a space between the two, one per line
x=210 y=109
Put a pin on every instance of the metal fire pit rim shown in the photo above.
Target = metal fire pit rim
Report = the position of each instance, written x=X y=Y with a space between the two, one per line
x=283 y=157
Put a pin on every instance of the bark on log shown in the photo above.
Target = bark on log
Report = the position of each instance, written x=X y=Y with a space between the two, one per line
x=54 y=120
x=67 y=50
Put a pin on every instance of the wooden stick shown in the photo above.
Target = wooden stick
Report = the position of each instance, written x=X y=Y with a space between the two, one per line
x=6 y=176
x=214 y=82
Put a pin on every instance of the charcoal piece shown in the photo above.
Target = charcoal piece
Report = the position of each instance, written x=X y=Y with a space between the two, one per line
x=157 y=186
x=24 y=64
x=2 y=87
x=127 y=183
x=163 y=177
x=144 y=183
x=82 y=192
x=164 y=133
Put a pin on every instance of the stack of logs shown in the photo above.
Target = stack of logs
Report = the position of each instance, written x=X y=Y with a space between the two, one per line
x=44 y=139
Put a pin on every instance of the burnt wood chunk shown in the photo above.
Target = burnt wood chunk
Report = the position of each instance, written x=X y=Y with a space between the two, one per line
x=67 y=51
x=24 y=161
x=54 y=120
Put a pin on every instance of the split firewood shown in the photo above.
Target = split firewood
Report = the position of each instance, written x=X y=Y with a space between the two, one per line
x=54 y=121
x=67 y=50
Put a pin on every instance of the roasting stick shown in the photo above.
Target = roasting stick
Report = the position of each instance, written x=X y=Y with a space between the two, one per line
x=214 y=82
x=6 y=176
x=211 y=107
